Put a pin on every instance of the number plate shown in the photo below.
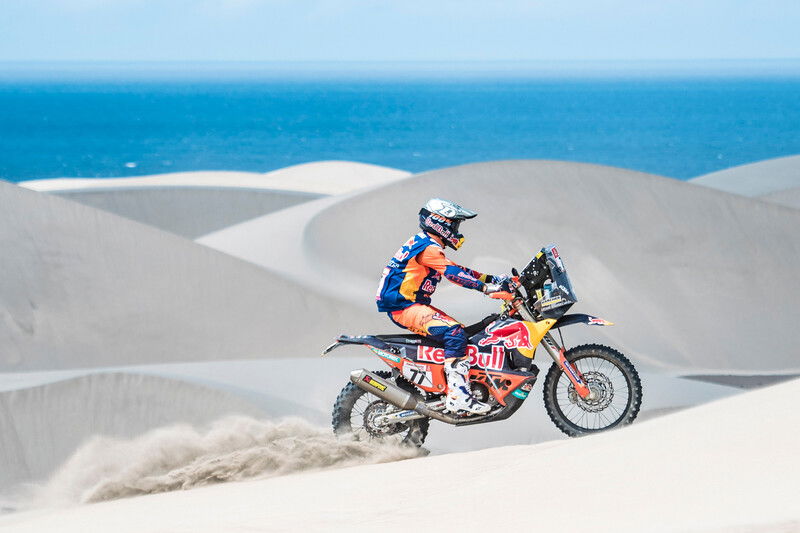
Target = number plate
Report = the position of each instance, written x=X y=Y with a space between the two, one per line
x=418 y=374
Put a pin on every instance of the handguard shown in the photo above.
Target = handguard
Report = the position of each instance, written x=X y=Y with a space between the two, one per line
x=501 y=295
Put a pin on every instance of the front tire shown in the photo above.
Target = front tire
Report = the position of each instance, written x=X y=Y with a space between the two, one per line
x=354 y=408
x=609 y=374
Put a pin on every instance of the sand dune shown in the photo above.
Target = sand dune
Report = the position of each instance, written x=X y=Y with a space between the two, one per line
x=82 y=287
x=150 y=329
x=261 y=385
x=277 y=242
x=40 y=427
x=43 y=418
x=672 y=264
x=787 y=197
x=195 y=203
x=764 y=179
x=319 y=177
x=719 y=467
x=187 y=211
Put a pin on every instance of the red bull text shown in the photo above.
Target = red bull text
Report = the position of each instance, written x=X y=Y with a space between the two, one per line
x=514 y=335
x=491 y=361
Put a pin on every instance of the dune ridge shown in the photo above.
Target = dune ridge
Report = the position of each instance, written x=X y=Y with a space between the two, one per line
x=320 y=177
x=787 y=197
x=86 y=288
x=774 y=180
x=188 y=211
x=195 y=203
x=43 y=425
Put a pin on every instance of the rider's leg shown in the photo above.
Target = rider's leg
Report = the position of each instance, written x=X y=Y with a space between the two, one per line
x=456 y=369
x=431 y=322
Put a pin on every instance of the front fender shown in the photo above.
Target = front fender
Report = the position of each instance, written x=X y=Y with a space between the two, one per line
x=589 y=320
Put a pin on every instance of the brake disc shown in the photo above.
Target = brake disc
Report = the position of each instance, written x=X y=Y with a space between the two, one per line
x=601 y=387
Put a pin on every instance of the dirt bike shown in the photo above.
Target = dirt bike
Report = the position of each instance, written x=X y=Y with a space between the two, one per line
x=588 y=388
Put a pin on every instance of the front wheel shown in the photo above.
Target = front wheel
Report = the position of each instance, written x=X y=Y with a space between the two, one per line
x=355 y=411
x=608 y=374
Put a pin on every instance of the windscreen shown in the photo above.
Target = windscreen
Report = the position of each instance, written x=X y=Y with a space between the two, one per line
x=549 y=289
x=557 y=294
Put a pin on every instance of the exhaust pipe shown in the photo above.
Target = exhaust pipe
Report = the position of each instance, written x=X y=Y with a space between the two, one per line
x=391 y=393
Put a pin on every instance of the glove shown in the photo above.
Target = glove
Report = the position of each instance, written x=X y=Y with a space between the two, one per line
x=493 y=290
x=506 y=283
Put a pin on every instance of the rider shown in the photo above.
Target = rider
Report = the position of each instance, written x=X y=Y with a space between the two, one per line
x=411 y=277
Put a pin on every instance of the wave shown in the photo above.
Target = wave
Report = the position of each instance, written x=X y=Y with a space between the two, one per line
x=182 y=457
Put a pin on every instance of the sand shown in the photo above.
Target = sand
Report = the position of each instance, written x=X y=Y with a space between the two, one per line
x=717 y=467
x=319 y=177
x=187 y=211
x=670 y=263
x=764 y=179
x=200 y=393
x=40 y=427
x=112 y=327
x=195 y=203
x=85 y=288
x=787 y=197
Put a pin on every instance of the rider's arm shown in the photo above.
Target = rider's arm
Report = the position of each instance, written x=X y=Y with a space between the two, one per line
x=433 y=257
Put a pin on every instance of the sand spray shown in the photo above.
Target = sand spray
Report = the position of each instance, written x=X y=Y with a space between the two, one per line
x=182 y=457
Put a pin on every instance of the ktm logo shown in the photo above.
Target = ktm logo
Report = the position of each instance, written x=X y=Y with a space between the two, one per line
x=492 y=361
x=513 y=335
x=496 y=380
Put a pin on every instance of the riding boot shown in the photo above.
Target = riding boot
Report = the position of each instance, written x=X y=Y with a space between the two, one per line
x=459 y=396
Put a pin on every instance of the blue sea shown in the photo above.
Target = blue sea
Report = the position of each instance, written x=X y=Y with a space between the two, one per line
x=677 y=125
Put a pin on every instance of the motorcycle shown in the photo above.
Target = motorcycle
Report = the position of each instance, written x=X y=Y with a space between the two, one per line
x=588 y=388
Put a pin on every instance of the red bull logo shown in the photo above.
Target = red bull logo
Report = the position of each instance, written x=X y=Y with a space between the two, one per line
x=490 y=361
x=513 y=335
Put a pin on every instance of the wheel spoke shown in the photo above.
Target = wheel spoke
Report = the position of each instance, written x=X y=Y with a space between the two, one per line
x=612 y=392
x=357 y=411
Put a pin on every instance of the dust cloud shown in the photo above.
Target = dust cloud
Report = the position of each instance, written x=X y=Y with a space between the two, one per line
x=182 y=457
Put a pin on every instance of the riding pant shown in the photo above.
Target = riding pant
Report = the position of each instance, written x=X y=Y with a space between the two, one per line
x=431 y=322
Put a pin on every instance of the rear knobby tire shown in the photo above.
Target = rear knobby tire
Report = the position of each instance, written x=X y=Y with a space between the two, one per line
x=348 y=422
x=608 y=370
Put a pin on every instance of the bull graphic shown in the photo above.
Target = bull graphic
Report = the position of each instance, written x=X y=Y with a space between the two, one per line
x=513 y=335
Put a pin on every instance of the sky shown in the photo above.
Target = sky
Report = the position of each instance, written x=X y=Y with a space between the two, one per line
x=397 y=30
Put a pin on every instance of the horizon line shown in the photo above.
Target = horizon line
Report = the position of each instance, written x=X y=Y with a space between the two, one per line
x=174 y=70
x=396 y=61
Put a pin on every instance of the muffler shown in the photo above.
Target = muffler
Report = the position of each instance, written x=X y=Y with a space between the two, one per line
x=391 y=393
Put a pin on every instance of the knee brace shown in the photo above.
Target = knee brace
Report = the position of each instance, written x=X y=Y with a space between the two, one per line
x=455 y=342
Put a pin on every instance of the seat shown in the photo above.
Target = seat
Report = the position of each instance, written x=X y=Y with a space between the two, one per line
x=477 y=327
x=417 y=340
x=410 y=338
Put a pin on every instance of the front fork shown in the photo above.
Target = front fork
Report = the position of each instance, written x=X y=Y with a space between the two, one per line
x=574 y=375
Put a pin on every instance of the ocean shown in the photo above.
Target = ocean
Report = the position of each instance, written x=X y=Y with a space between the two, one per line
x=676 y=126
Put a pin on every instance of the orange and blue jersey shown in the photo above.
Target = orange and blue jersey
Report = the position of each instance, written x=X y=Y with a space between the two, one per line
x=416 y=269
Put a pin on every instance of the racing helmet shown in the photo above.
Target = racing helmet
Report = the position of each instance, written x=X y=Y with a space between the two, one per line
x=442 y=218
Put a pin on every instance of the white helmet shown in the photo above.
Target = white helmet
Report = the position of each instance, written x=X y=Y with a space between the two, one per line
x=442 y=218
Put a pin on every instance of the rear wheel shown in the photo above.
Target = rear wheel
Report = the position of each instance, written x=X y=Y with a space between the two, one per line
x=609 y=375
x=355 y=411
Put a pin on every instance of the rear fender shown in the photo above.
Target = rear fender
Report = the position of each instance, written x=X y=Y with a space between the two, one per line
x=367 y=340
